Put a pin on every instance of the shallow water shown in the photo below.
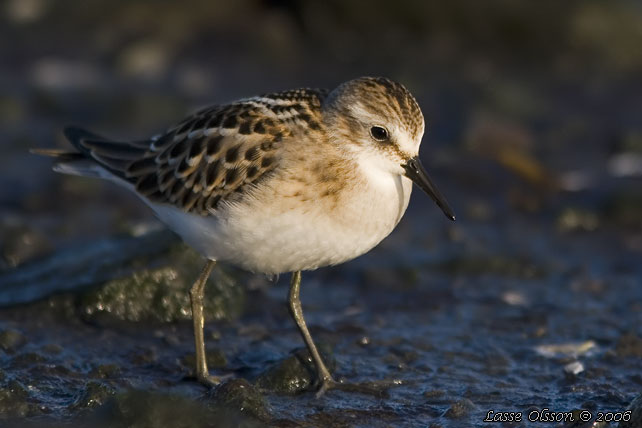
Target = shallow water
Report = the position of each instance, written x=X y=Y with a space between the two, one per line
x=476 y=326
x=531 y=300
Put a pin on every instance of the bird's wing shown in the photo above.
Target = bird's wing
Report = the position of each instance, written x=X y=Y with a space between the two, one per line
x=211 y=155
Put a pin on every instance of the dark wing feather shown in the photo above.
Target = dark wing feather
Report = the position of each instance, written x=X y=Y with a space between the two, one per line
x=212 y=155
x=190 y=170
x=206 y=159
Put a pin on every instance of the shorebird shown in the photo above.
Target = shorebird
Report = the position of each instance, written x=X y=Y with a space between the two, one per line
x=282 y=182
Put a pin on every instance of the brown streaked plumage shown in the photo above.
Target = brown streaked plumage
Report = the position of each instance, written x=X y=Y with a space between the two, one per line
x=385 y=98
x=210 y=156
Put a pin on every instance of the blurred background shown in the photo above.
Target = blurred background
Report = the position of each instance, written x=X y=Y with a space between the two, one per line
x=531 y=107
x=534 y=133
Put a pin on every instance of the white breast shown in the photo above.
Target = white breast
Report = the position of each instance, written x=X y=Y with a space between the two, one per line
x=271 y=235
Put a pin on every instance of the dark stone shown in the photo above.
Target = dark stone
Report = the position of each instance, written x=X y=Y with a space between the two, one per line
x=294 y=374
x=105 y=371
x=239 y=395
x=95 y=394
x=142 y=408
x=460 y=409
x=11 y=340
x=14 y=401
x=27 y=359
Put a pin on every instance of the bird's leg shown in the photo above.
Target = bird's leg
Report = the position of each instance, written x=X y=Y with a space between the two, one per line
x=324 y=378
x=196 y=297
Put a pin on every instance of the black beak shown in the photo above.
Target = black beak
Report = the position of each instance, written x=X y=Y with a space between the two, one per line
x=416 y=172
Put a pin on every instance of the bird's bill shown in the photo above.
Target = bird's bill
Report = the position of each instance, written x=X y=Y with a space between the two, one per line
x=416 y=172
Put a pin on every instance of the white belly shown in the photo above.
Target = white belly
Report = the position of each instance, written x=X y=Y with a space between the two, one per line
x=273 y=236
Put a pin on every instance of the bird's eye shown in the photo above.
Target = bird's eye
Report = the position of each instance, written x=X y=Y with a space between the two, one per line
x=379 y=133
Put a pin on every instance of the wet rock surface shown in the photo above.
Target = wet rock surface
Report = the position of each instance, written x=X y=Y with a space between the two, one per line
x=239 y=396
x=293 y=374
x=532 y=300
x=454 y=344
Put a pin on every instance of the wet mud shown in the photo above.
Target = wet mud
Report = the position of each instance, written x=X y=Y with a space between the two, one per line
x=532 y=300
x=454 y=336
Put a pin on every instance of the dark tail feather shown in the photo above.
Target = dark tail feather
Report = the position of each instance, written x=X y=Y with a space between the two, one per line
x=100 y=147
x=112 y=155
x=60 y=155
x=95 y=153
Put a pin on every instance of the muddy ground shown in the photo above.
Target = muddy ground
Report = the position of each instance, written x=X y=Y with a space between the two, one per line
x=531 y=300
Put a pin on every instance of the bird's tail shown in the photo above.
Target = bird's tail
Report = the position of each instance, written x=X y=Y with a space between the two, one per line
x=73 y=163
x=96 y=156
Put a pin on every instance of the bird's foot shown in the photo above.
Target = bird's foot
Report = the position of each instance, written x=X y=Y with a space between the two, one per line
x=210 y=380
x=325 y=384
